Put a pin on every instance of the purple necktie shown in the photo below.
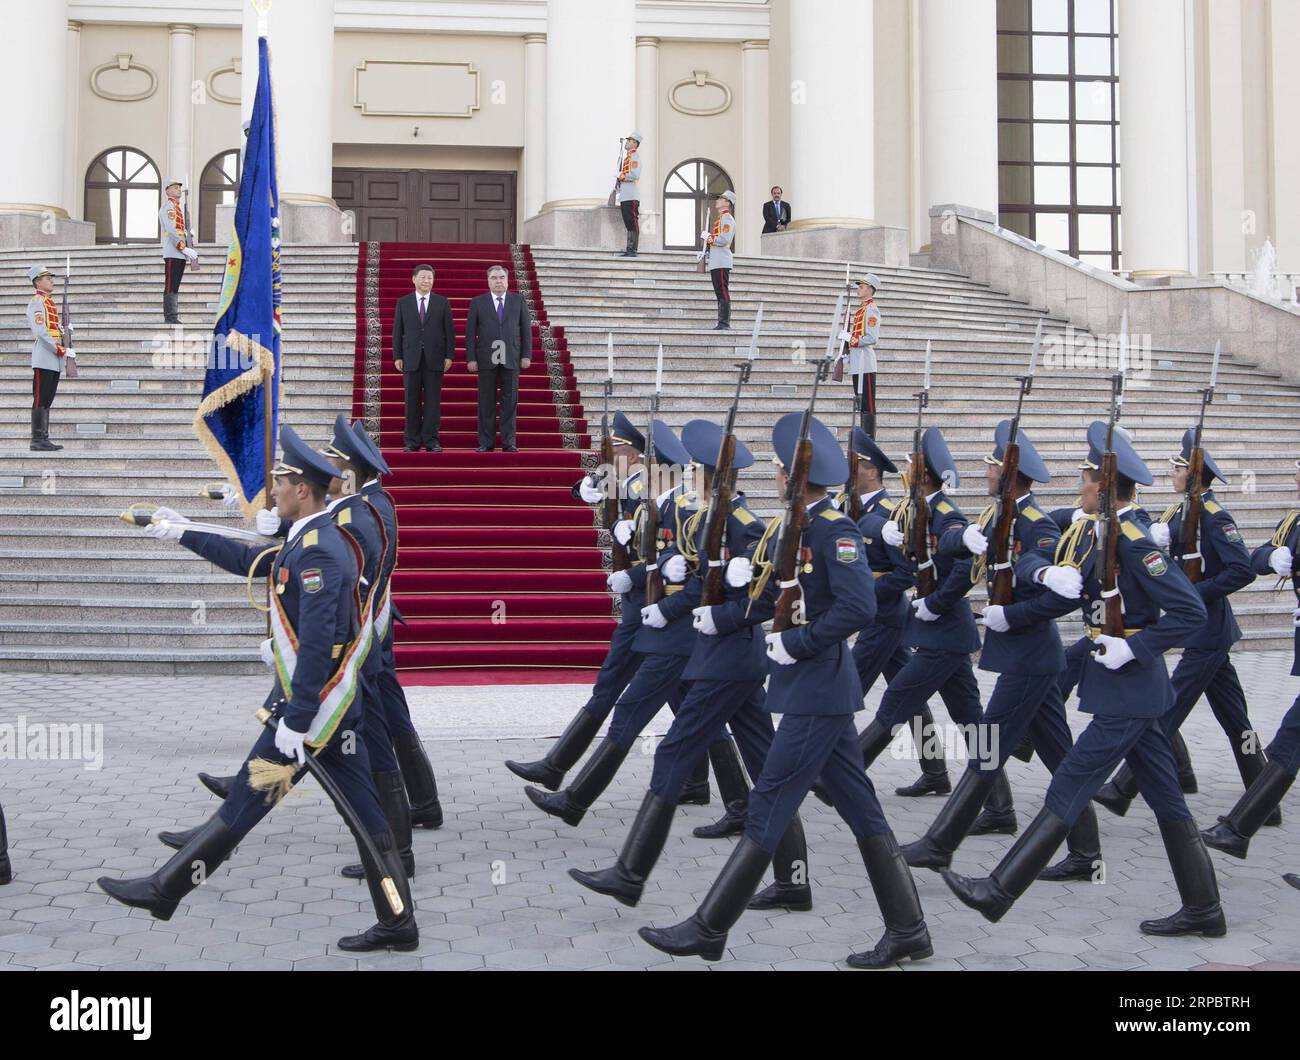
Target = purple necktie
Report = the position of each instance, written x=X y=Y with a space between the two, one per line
x=421 y=309
x=501 y=310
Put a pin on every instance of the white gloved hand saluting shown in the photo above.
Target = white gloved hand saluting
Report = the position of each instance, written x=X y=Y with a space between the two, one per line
x=995 y=618
x=290 y=742
x=703 y=621
x=619 y=581
x=674 y=569
x=1160 y=534
x=1115 y=654
x=1282 y=561
x=590 y=492
x=653 y=617
x=268 y=521
x=892 y=535
x=623 y=531
x=740 y=572
x=776 y=650
x=1066 y=582
x=923 y=612
x=976 y=543
x=267 y=650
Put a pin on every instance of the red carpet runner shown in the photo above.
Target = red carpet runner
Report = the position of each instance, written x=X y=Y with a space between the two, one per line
x=498 y=566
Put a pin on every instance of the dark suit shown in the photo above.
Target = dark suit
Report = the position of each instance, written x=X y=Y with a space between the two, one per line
x=775 y=213
x=423 y=348
x=497 y=345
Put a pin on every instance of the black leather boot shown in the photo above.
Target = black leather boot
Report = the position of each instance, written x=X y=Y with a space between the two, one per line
x=905 y=932
x=1024 y=750
x=705 y=933
x=1118 y=793
x=636 y=242
x=563 y=755
x=696 y=790
x=1293 y=878
x=395 y=931
x=177 y=840
x=1251 y=767
x=1198 y=889
x=625 y=879
x=934 y=850
x=397 y=812
x=934 y=770
x=171 y=309
x=1233 y=833
x=626 y=252
x=993 y=895
x=6 y=869
x=733 y=786
x=191 y=865
x=790 y=888
x=219 y=786
x=40 y=442
x=572 y=804
x=417 y=775
x=999 y=816
x=1084 y=851
x=1183 y=760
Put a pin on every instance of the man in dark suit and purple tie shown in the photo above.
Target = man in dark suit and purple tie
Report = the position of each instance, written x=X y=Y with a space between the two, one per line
x=498 y=346
x=424 y=342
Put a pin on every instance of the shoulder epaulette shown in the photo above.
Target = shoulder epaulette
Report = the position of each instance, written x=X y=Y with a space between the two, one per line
x=832 y=514
x=743 y=516
x=345 y=517
x=1033 y=513
x=1213 y=507
x=1132 y=531
x=1169 y=512
x=310 y=539
x=887 y=504
x=943 y=506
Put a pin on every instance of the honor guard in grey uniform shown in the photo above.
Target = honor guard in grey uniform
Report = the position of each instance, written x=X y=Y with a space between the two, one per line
x=321 y=635
x=814 y=684
x=629 y=192
x=177 y=250
x=1126 y=688
x=860 y=339
x=718 y=249
x=50 y=352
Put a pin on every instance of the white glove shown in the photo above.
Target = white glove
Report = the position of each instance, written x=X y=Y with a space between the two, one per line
x=160 y=514
x=191 y=255
x=923 y=612
x=845 y=336
x=674 y=569
x=268 y=521
x=892 y=535
x=290 y=743
x=653 y=617
x=623 y=531
x=740 y=572
x=1282 y=561
x=164 y=530
x=590 y=492
x=229 y=495
x=976 y=543
x=995 y=618
x=776 y=650
x=1066 y=582
x=1078 y=514
x=1160 y=534
x=268 y=653
x=703 y=621
x=619 y=581
x=1296 y=615
x=1115 y=654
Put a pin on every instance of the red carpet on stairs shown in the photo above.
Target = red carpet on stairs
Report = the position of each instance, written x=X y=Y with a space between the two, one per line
x=499 y=569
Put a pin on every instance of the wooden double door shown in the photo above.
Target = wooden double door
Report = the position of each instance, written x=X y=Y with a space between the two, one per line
x=428 y=206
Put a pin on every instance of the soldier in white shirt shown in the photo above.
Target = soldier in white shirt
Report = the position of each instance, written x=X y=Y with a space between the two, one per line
x=718 y=241
x=176 y=249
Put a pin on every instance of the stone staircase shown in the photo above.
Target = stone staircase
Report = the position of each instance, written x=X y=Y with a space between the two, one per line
x=981 y=340
x=81 y=590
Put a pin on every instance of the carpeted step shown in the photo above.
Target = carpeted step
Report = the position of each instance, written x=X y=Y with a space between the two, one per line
x=505 y=629
x=471 y=605
x=498 y=515
x=520 y=535
x=492 y=585
x=500 y=558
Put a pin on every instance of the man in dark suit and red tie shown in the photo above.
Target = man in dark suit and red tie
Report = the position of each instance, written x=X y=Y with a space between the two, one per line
x=498 y=346
x=424 y=342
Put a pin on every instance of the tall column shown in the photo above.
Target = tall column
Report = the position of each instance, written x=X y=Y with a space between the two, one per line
x=1227 y=151
x=33 y=84
x=1153 y=138
x=959 y=103
x=755 y=136
x=647 y=124
x=1283 y=32
x=534 y=122
x=72 y=198
x=180 y=103
x=832 y=121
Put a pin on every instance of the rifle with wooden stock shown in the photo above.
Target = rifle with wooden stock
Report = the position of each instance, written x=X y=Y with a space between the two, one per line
x=723 y=485
x=1107 y=529
x=918 y=536
x=618 y=557
x=1193 y=564
x=1006 y=511
x=649 y=548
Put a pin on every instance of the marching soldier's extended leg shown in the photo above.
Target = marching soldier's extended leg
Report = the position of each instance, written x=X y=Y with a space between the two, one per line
x=6 y=869
x=387 y=776
x=412 y=758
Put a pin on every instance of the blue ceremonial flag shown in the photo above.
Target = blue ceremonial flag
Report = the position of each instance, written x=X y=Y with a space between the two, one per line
x=237 y=418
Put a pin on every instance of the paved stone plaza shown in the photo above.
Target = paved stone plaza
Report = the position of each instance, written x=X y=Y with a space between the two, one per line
x=492 y=890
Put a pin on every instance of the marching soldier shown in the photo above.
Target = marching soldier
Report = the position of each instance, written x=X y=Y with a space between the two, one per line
x=1233 y=833
x=861 y=339
x=1023 y=647
x=1126 y=688
x=50 y=355
x=1206 y=666
x=177 y=249
x=814 y=684
x=318 y=649
x=718 y=249
x=629 y=193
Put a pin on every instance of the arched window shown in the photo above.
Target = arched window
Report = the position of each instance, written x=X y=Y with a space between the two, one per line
x=689 y=194
x=218 y=187
x=123 y=193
